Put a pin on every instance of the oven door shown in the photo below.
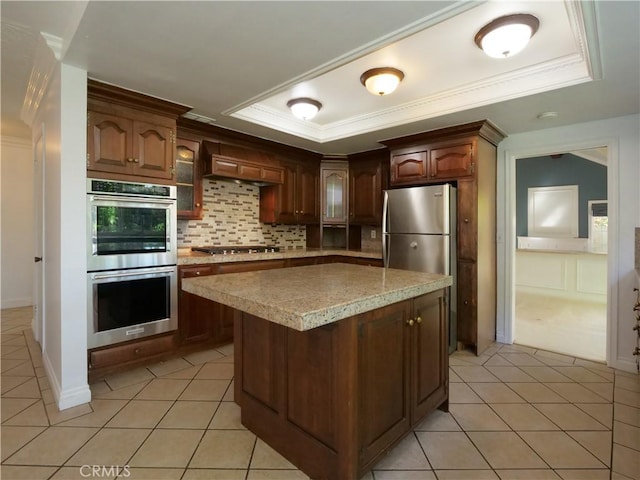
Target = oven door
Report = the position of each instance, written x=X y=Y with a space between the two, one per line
x=128 y=304
x=130 y=232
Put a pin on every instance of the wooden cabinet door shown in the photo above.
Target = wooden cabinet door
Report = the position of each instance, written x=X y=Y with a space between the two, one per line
x=467 y=220
x=408 y=168
x=189 y=179
x=196 y=315
x=286 y=202
x=451 y=162
x=383 y=384
x=223 y=331
x=429 y=352
x=365 y=192
x=109 y=143
x=307 y=194
x=334 y=195
x=153 y=150
x=467 y=303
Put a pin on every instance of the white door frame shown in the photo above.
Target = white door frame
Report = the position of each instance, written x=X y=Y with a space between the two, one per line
x=507 y=238
x=39 y=236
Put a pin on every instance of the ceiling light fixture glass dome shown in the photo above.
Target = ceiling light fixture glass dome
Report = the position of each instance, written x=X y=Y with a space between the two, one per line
x=381 y=81
x=508 y=35
x=304 y=108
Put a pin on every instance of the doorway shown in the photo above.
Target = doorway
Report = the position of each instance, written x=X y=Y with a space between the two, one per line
x=39 y=229
x=560 y=280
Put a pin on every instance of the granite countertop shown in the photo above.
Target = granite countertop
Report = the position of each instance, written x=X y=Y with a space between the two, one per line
x=187 y=257
x=306 y=297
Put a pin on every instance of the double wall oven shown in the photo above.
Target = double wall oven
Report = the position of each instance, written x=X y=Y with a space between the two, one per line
x=131 y=260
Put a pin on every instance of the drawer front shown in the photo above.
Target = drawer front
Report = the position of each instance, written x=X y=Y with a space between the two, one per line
x=250 y=266
x=121 y=354
x=196 y=271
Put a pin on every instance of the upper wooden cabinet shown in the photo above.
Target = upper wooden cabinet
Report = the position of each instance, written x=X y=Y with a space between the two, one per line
x=296 y=200
x=452 y=161
x=231 y=161
x=407 y=168
x=367 y=180
x=335 y=182
x=189 y=179
x=130 y=136
x=441 y=161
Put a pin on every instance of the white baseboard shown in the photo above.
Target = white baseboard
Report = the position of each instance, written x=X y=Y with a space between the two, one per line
x=16 y=302
x=626 y=365
x=65 y=398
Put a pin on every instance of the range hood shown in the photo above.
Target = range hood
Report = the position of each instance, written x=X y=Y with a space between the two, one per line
x=231 y=162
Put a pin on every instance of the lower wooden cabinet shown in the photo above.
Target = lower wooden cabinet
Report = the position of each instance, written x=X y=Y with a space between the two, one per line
x=403 y=364
x=294 y=387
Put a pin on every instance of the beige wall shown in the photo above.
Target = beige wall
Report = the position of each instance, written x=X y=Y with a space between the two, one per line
x=17 y=222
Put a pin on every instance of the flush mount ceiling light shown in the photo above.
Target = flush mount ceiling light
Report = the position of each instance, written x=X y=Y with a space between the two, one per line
x=304 y=108
x=381 y=81
x=506 y=36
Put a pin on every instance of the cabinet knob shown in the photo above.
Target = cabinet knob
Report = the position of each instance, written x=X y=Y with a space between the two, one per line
x=130 y=160
x=135 y=160
x=197 y=205
x=410 y=322
x=136 y=351
x=466 y=302
x=418 y=319
x=198 y=273
x=466 y=220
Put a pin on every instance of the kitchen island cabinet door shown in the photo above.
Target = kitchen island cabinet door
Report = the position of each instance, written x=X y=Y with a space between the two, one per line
x=384 y=369
x=429 y=355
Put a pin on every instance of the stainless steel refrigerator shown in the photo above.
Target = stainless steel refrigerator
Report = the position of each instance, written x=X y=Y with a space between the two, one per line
x=419 y=234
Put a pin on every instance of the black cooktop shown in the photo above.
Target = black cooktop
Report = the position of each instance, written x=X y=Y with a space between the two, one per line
x=236 y=249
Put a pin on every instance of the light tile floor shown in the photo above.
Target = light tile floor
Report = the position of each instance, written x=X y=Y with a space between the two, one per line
x=515 y=413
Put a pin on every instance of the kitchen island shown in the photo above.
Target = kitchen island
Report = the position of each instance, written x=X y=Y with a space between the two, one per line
x=335 y=363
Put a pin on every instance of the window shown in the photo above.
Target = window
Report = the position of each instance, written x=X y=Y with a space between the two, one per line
x=598 y=226
x=553 y=211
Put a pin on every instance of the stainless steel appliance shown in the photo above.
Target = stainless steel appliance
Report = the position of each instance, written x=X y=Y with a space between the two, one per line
x=128 y=304
x=419 y=233
x=130 y=225
x=131 y=261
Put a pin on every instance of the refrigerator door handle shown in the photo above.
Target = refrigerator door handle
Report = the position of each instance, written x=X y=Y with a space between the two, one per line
x=385 y=251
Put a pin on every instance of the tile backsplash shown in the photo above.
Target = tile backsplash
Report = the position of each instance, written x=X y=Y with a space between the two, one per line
x=231 y=217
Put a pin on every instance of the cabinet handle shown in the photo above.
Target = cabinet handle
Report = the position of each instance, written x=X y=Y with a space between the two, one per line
x=418 y=319
x=410 y=322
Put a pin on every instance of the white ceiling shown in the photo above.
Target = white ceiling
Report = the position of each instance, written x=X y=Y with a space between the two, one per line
x=238 y=63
